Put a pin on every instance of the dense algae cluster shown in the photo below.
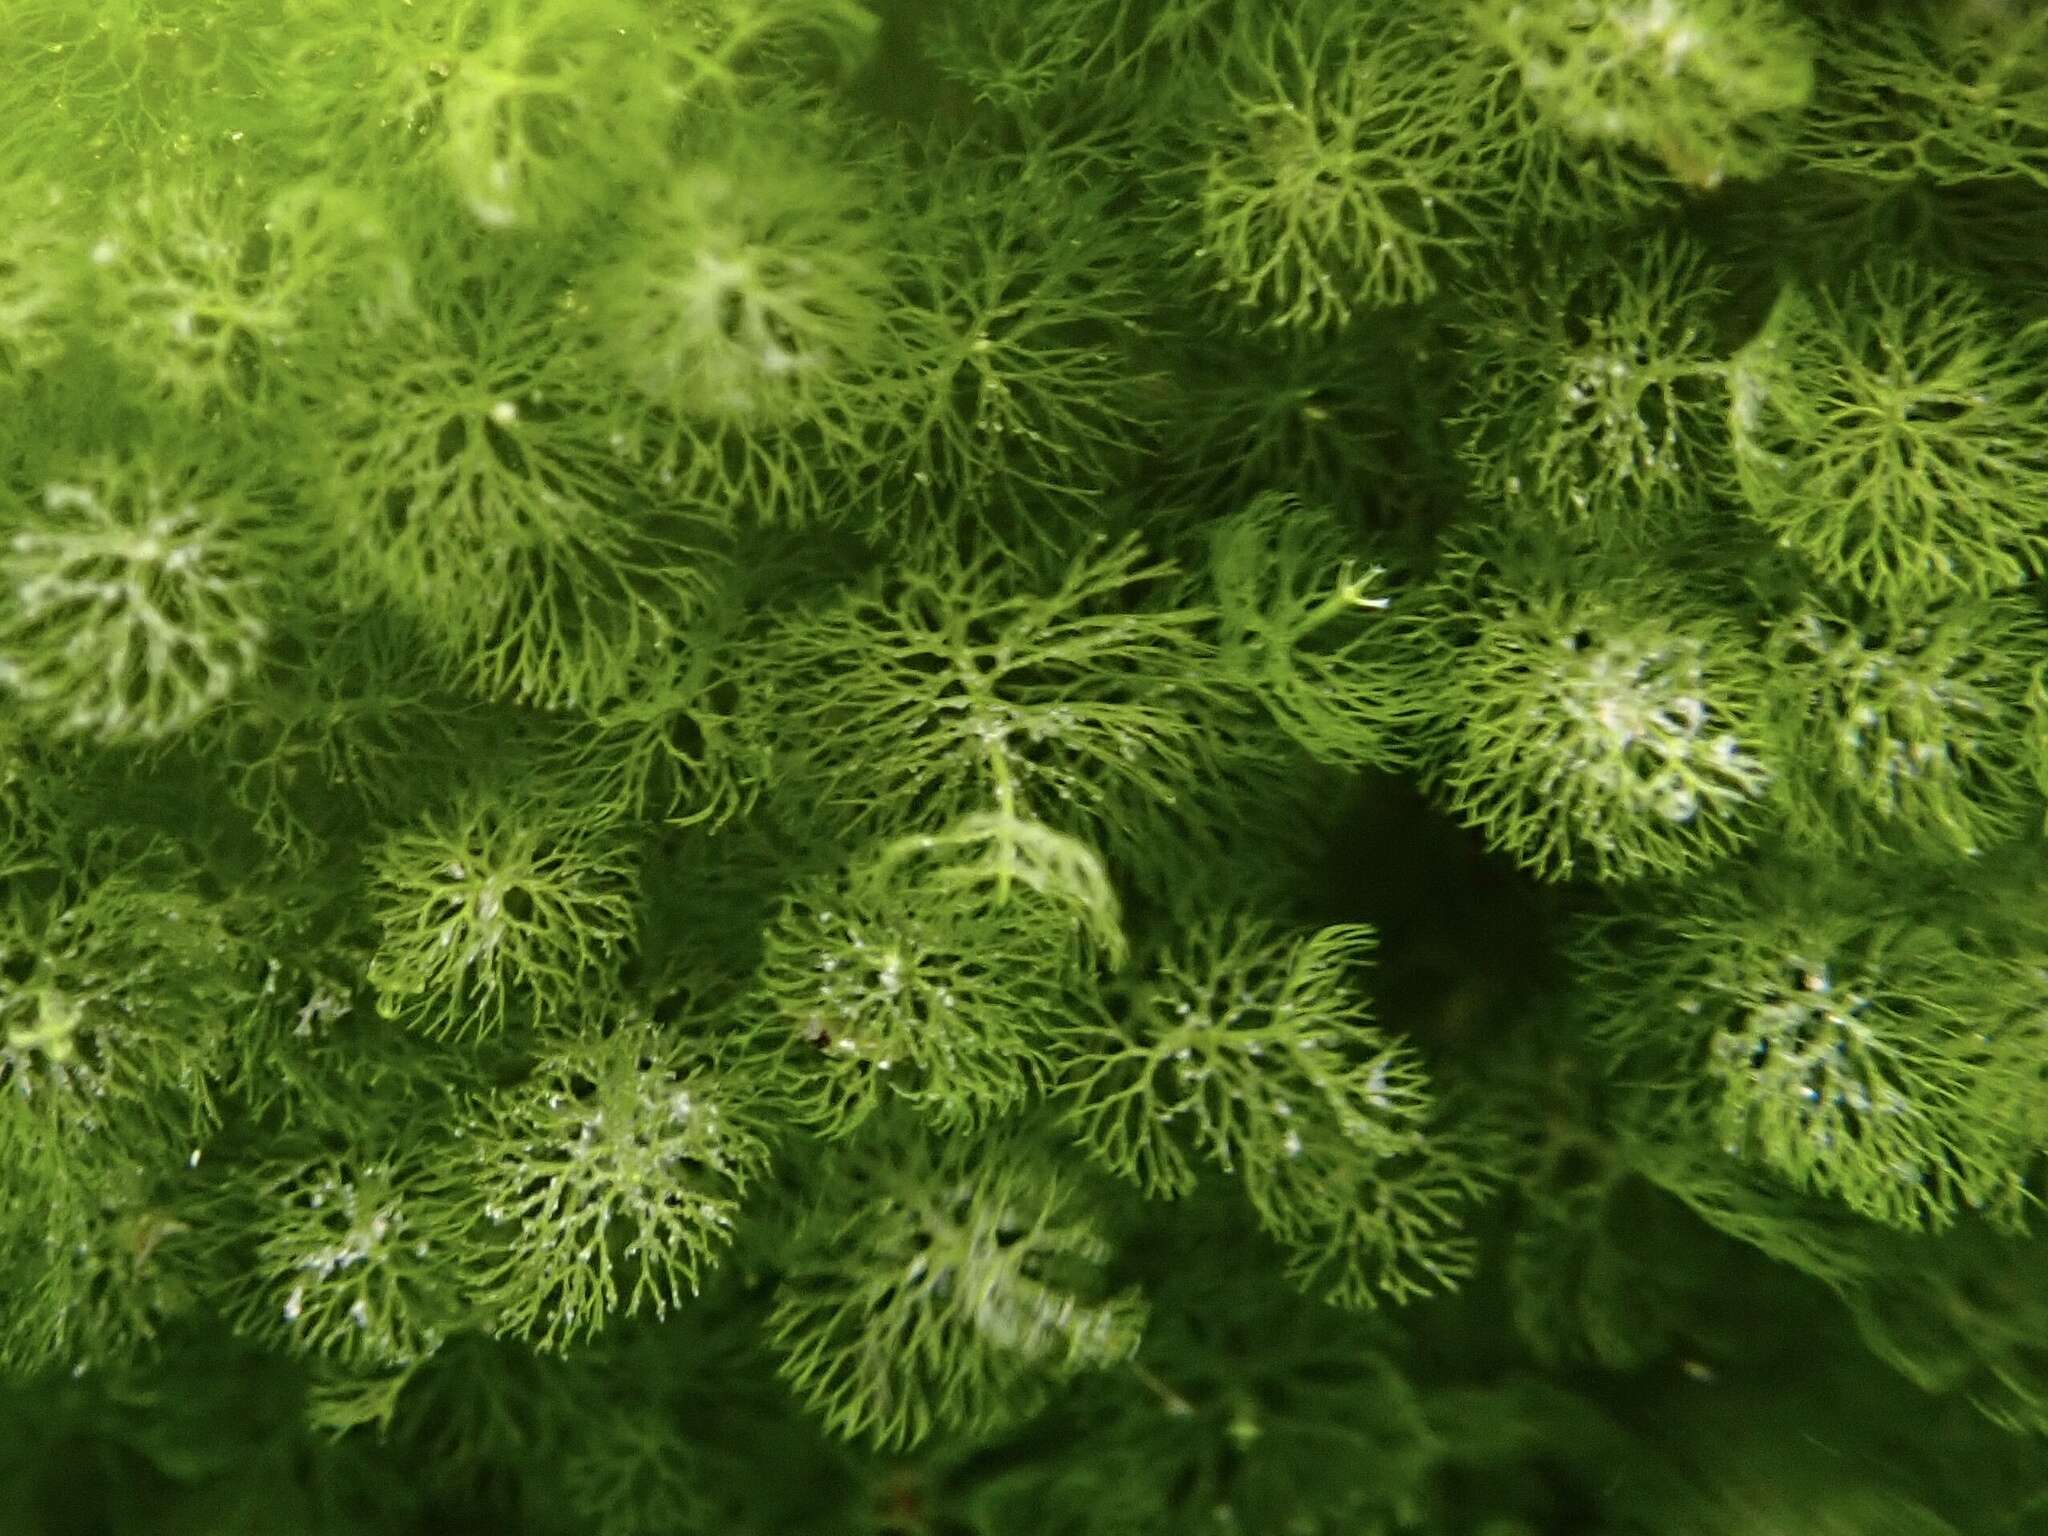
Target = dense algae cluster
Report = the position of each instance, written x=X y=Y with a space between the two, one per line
x=978 y=767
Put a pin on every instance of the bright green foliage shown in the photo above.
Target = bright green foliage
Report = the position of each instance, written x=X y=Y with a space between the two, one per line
x=1251 y=1051
x=1840 y=1040
x=758 y=283
x=479 y=482
x=222 y=297
x=1193 y=1045
x=945 y=1287
x=1018 y=321
x=1891 y=430
x=985 y=860
x=1338 y=173
x=349 y=1264
x=135 y=595
x=968 y=686
x=500 y=904
x=42 y=270
x=717 y=52
x=876 y=989
x=1596 y=391
x=115 y=1000
x=1709 y=88
x=1925 y=713
x=515 y=107
x=677 y=742
x=114 y=85
x=1927 y=90
x=682 y=740
x=816 y=768
x=615 y=1173
x=1607 y=726
x=752 y=306
x=1359 y=1231
x=1299 y=619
